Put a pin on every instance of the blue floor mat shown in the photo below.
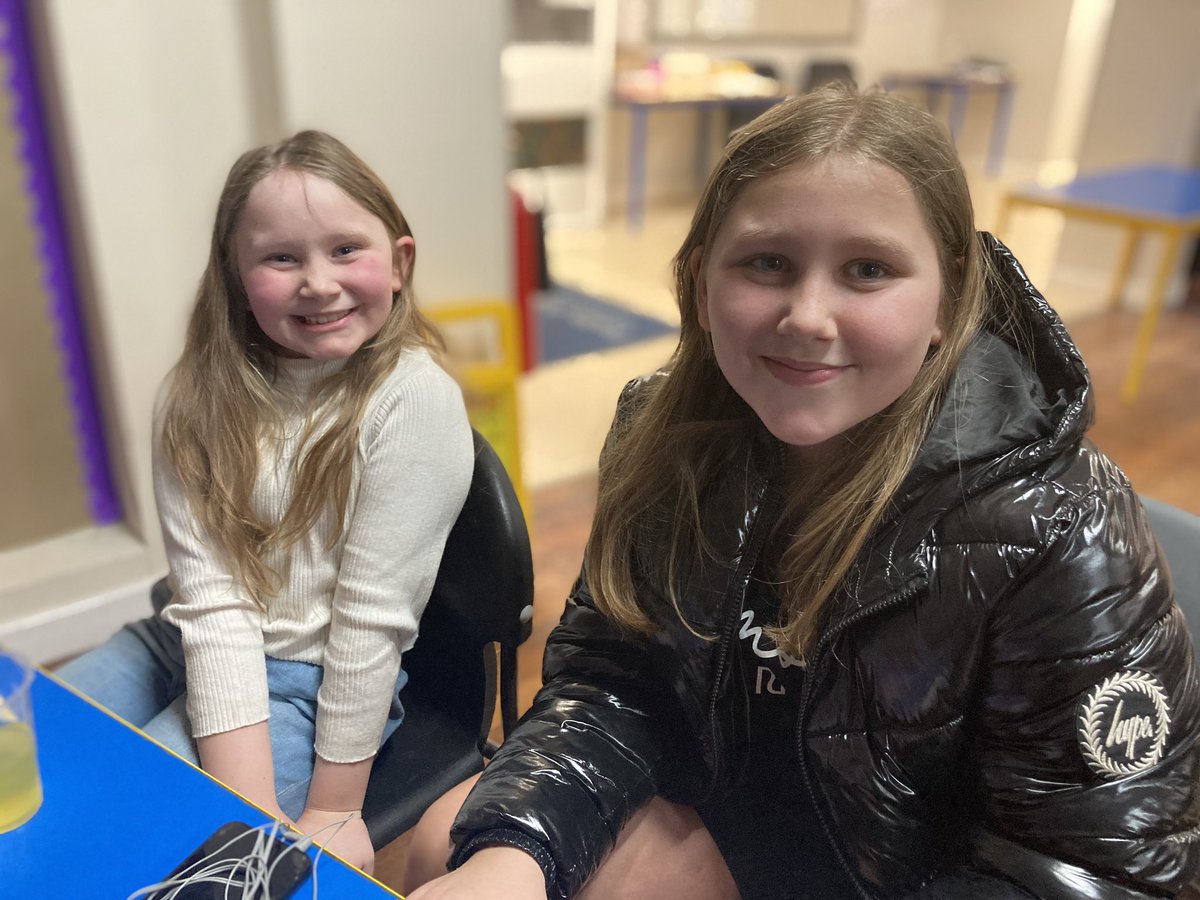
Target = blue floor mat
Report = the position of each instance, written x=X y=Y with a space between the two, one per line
x=571 y=322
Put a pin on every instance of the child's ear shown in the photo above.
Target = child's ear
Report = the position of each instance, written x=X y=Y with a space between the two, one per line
x=696 y=264
x=939 y=334
x=402 y=261
x=954 y=289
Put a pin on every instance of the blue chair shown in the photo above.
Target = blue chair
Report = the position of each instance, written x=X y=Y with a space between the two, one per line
x=1178 y=533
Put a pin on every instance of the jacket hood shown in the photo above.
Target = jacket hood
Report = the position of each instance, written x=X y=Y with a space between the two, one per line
x=1021 y=393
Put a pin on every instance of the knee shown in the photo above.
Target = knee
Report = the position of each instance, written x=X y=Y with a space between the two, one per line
x=429 y=842
x=664 y=850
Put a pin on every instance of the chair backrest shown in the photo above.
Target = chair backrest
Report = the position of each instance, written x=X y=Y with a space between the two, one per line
x=483 y=596
x=486 y=575
x=826 y=71
x=1178 y=533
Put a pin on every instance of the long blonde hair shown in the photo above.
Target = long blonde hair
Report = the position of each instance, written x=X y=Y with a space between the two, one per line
x=657 y=475
x=221 y=398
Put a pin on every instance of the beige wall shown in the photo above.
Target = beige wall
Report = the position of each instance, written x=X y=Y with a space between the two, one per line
x=1029 y=36
x=157 y=99
x=420 y=101
x=1147 y=102
x=152 y=108
x=40 y=479
x=1146 y=108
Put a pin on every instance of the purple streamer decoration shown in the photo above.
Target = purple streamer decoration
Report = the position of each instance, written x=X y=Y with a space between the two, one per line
x=34 y=148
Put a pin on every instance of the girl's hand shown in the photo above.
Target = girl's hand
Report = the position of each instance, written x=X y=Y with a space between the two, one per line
x=494 y=873
x=341 y=832
x=333 y=814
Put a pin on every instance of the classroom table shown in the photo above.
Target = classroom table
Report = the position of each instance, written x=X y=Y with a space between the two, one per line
x=960 y=86
x=1148 y=198
x=120 y=812
x=639 y=111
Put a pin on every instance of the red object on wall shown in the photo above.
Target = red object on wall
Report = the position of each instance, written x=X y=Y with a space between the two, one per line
x=527 y=275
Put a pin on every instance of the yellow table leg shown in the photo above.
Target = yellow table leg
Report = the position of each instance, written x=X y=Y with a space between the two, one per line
x=1141 y=350
x=1128 y=250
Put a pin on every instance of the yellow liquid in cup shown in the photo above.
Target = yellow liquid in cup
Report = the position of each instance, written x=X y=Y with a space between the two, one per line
x=20 y=786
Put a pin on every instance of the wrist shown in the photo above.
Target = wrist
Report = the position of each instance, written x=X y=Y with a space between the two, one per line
x=331 y=811
x=338 y=787
x=315 y=815
x=518 y=848
x=511 y=865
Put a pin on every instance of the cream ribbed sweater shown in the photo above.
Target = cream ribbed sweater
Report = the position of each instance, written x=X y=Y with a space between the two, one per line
x=352 y=609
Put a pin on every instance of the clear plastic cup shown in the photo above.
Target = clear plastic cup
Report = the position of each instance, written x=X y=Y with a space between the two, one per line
x=20 y=783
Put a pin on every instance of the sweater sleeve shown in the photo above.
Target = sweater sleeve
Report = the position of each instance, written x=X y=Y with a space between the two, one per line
x=416 y=459
x=220 y=624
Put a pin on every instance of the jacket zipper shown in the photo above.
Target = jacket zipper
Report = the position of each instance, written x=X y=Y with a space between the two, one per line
x=802 y=721
x=732 y=615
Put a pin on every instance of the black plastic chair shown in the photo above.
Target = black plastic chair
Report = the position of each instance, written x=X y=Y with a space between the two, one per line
x=826 y=71
x=482 y=599
x=1178 y=533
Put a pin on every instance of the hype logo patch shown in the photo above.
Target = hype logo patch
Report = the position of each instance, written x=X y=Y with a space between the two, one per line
x=1123 y=724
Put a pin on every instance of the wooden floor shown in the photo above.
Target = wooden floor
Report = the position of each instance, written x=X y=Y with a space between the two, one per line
x=1156 y=440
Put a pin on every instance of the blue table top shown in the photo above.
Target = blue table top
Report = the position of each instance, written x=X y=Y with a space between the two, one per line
x=120 y=812
x=1169 y=192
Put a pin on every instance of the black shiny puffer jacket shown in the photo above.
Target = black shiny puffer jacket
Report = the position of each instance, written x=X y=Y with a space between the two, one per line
x=1004 y=702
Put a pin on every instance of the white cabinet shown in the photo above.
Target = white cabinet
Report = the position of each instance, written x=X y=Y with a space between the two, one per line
x=556 y=97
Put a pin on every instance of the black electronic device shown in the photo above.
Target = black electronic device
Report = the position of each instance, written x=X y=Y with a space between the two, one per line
x=237 y=862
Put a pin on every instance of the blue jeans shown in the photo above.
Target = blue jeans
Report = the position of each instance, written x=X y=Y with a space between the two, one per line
x=138 y=674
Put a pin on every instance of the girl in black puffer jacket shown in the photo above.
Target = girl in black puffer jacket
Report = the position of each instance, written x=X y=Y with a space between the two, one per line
x=863 y=613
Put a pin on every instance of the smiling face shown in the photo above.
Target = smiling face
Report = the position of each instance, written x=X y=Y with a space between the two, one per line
x=319 y=271
x=821 y=291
